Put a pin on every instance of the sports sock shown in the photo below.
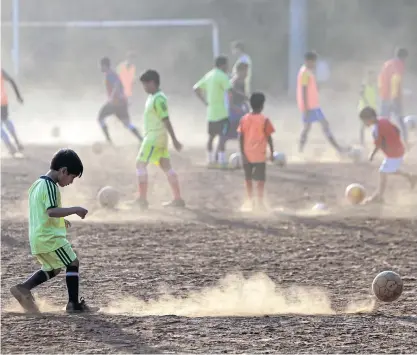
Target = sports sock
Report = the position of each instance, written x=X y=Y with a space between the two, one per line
x=222 y=157
x=249 y=189
x=39 y=277
x=174 y=183
x=72 y=279
x=142 y=183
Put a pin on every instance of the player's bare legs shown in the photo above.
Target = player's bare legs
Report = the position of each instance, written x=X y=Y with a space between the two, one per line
x=221 y=149
x=304 y=136
x=6 y=140
x=102 y=122
x=172 y=177
x=212 y=156
x=329 y=135
x=10 y=127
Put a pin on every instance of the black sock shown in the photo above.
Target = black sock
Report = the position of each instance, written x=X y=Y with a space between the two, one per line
x=72 y=280
x=135 y=131
x=38 y=278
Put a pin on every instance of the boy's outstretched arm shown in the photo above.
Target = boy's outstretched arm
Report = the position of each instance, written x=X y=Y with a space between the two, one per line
x=58 y=212
x=200 y=95
x=242 y=145
x=271 y=148
x=170 y=129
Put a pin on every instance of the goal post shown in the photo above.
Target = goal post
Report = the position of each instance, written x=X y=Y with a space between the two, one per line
x=16 y=25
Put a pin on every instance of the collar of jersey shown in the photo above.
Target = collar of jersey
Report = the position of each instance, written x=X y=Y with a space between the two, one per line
x=47 y=178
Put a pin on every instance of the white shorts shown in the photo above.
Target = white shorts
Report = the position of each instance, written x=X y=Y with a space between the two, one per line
x=391 y=165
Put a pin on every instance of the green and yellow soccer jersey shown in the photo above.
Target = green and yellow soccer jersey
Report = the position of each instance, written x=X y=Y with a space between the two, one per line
x=215 y=84
x=156 y=110
x=46 y=234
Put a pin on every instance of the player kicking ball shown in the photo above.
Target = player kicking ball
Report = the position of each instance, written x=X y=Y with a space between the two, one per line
x=255 y=134
x=154 y=148
x=387 y=137
x=48 y=233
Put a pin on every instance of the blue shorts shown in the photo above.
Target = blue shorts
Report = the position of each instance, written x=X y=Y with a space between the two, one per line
x=234 y=119
x=315 y=115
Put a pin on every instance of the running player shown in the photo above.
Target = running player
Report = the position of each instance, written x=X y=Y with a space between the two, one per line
x=154 y=149
x=238 y=48
x=238 y=105
x=5 y=121
x=48 y=232
x=390 y=89
x=255 y=134
x=308 y=102
x=127 y=73
x=387 y=138
x=367 y=97
x=117 y=104
x=214 y=90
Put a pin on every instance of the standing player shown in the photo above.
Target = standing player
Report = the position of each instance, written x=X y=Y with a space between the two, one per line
x=214 y=90
x=154 y=149
x=5 y=121
x=387 y=138
x=238 y=49
x=390 y=89
x=255 y=134
x=48 y=232
x=117 y=104
x=308 y=102
x=238 y=104
x=367 y=97
x=127 y=74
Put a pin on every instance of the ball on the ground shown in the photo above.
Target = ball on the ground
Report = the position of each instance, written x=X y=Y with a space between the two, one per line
x=387 y=286
x=97 y=148
x=280 y=159
x=55 y=132
x=108 y=197
x=411 y=122
x=355 y=154
x=355 y=193
x=235 y=161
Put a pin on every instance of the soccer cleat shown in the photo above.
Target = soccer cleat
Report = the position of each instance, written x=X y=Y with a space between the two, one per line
x=179 y=203
x=80 y=307
x=25 y=298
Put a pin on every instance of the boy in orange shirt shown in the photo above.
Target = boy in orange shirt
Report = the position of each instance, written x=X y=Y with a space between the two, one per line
x=255 y=134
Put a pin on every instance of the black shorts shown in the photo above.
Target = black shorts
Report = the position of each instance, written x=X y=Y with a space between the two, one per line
x=219 y=128
x=255 y=171
x=4 y=112
x=121 y=111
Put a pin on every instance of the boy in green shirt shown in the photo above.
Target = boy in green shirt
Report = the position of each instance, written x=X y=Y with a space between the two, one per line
x=48 y=232
x=214 y=90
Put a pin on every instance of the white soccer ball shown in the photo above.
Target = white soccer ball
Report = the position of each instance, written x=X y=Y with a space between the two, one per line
x=387 y=286
x=235 y=161
x=108 y=197
x=356 y=154
x=280 y=159
x=411 y=122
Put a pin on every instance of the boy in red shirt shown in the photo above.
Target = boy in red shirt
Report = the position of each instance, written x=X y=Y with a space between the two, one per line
x=387 y=138
x=255 y=134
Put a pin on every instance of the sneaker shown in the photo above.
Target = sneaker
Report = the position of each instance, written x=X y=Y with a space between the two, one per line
x=143 y=204
x=79 y=307
x=25 y=298
x=179 y=203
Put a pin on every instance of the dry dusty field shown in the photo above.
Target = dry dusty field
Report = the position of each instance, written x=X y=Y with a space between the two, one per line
x=210 y=278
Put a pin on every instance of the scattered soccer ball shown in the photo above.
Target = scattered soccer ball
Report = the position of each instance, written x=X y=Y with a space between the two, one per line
x=280 y=159
x=356 y=154
x=108 y=197
x=235 y=161
x=355 y=193
x=55 y=132
x=387 y=286
x=97 y=148
x=411 y=122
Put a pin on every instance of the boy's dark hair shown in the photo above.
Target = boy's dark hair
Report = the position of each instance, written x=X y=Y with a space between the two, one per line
x=367 y=113
x=401 y=53
x=239 y=45
x=220 y=61
x=311 y=55
x=105 y=61
x=257 y=101
x=150 y=75
x=242 y=66
x=67 y=158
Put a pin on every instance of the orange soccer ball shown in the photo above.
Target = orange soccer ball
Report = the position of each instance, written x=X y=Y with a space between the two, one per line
x=355 y=193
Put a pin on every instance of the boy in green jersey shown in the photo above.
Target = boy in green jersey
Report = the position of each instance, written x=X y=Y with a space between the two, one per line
x=48 y=232
x=154 y=148
x=214 y=90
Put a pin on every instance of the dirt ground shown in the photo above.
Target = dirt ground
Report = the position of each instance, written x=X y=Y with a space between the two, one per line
x=210 y=278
